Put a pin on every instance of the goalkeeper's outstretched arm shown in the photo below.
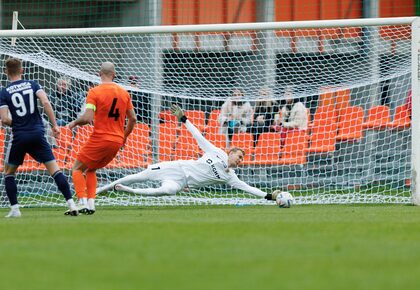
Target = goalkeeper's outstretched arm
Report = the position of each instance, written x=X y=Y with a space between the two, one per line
x=239 y=184
x=204 y=144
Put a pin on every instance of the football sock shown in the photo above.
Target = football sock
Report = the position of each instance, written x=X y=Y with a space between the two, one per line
x=83 y=201
x=91 y=203
x=91 y=183
x=79 y=182
x=71 y=204
x=62 y=184
x=11 y=189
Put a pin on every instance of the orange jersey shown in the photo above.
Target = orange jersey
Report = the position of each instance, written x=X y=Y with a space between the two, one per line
x=110 y=103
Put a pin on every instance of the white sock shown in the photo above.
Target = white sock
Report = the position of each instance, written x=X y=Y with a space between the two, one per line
x=83 y=201
x=91 y=203
x=71 y=204
x=15 y=206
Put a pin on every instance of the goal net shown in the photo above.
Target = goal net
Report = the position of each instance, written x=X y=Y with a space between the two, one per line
x=241 y=85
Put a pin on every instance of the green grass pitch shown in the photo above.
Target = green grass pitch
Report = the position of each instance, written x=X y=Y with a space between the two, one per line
x=213 y=247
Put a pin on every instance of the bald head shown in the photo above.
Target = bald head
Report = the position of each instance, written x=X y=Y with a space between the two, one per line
x=107 y=70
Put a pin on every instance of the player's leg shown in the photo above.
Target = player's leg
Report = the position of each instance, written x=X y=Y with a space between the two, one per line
x=15 y=154
x=41 y=151
x=95 y=154
x=79 y=183
x=63 y=185
x=11 y=190
x=168 y=187
x=91 y=182
x=127 y=180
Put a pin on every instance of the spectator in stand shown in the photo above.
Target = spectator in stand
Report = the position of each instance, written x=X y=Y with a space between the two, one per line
x=82 y=98
x=65 y=102
x=264 y=112
x=235 y=115
x=293 y=116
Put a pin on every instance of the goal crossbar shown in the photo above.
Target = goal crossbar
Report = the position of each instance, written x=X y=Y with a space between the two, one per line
x=208 y=27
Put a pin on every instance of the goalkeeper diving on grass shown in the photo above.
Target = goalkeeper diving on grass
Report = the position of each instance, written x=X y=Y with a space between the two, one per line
x=214 y=167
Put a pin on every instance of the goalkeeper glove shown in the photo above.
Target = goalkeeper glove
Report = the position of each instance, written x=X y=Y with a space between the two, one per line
x=177 y=111
x=272 y=196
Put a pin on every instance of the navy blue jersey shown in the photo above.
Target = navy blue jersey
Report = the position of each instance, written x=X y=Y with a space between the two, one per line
x=20 y=97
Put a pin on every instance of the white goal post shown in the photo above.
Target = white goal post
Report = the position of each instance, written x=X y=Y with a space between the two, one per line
x=360 y=143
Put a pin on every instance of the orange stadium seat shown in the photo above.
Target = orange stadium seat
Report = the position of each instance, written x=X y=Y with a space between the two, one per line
x=186 y=146
x=167 y=138
x=136 y=151
x=197 y=117
x=213 y=122
x=267 y=151
x=324 y=130
x=378 y=118
x=167 y=117
x=350 y=124
x=29 y=164
x=82 y=135
x=342 y=100
x=295 y=148
x=401 y=118
x=217 y=139
x=61 y=152
x=245 y=141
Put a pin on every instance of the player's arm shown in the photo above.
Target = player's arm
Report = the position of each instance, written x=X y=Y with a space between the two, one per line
x=235 y=182
x=204 y=144
x=43 y=98
x=4 y=111
x=4 y=114
x=89 y=113
x=86 y=118
x=131 y=116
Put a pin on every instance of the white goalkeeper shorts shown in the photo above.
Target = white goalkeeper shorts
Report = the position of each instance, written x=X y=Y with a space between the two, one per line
x=167 y=171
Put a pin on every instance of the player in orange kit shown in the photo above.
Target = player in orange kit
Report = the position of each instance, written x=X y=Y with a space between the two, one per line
x=107 y=106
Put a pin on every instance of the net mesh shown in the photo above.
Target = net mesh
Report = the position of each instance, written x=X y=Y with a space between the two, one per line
x=248 y=89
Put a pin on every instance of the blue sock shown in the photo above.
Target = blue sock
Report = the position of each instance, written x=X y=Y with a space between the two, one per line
x=11 y=188
x=62 y=184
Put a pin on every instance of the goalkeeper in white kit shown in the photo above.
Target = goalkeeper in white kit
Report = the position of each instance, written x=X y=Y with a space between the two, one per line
x=214 y=167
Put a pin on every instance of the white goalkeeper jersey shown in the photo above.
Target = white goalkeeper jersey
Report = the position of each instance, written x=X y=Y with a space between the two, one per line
x=212 y=167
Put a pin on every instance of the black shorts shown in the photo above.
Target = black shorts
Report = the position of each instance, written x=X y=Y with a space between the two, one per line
x=34 y=144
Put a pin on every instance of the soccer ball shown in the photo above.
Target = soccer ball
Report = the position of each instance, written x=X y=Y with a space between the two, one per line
x=284 y=199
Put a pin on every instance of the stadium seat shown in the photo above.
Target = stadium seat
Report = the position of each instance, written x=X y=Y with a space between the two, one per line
x=82 y=135
x=295 y=148
x=136 y=151
x=326 y=98
x=29 y=164
x=197 y=117
x=245 y=141
x=217 y=139
x=350 y=124
x=61 y=152
x=401 y=118
x=378 y=118
x=213 y=122
x=342 y=100
x=167 y=117
x=186 y=146
x=324 y=130
x=167 y=138
x=308 y=112
x=267 y=151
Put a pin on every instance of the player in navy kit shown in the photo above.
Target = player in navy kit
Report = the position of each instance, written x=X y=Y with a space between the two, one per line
x=20 y=99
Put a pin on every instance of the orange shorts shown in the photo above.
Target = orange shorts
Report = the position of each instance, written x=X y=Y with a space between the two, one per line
x=96 y=153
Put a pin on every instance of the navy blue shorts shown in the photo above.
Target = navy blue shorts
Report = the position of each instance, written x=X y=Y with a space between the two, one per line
x=34 y=144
